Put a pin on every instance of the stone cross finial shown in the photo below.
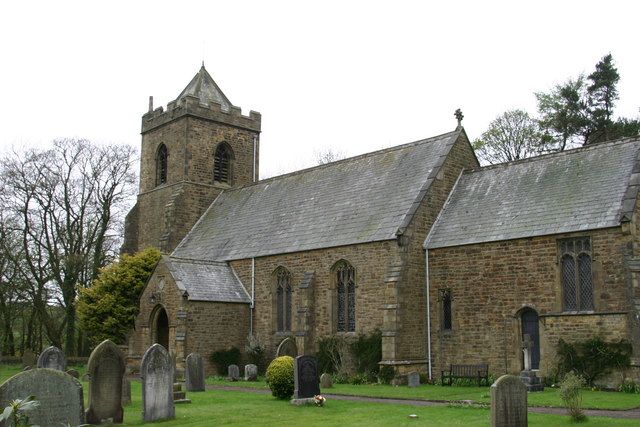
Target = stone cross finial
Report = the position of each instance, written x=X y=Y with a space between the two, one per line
x=459 y=116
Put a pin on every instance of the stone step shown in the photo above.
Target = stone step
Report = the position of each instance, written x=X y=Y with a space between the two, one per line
x=177 y=395
x=182 y=401
x=177 y=386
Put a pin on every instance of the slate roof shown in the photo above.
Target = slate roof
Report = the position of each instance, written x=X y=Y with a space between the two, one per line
x=367 y=198
x=203 y=87
x=207 y=281
x=583 y=189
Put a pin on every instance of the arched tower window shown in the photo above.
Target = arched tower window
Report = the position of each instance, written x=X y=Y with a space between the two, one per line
x=161 y=165
x=577 y=279
x=346 y=290
x=283 y=300
x=222 y=164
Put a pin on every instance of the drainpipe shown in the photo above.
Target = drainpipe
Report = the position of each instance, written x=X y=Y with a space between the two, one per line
x=426 y=259
x=253 y=293
x=255 y=148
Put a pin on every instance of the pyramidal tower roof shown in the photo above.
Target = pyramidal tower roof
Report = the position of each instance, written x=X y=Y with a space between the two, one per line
x=203 y=87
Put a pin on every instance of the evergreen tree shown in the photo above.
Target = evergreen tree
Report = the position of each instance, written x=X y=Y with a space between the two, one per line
x=563 y=114
x=602 y=93
x=107 y=310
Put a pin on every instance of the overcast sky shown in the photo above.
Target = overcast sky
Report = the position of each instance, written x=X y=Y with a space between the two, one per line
x=351 y=76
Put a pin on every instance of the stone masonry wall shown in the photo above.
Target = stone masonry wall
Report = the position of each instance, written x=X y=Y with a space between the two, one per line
x=370 y=262
x=411 y=340
x=492 y=282
x=193 y=325
x=165 y=213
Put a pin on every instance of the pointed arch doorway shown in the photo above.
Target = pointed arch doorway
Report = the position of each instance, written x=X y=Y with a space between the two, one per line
x=160 y=327
x=530 y=327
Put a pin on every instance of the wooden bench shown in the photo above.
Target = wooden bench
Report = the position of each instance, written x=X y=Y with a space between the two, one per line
x=479 y=372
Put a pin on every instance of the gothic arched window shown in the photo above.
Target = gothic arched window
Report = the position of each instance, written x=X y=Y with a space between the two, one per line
x=161 y=165
x=577 y=279
x=346 y=290
x=283 y=300
x=222 y=164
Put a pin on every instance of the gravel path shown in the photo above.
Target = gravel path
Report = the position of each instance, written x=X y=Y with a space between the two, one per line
x=626 y=414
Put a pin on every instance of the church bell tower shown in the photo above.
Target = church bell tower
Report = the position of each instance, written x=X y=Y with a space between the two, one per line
x=200 y=146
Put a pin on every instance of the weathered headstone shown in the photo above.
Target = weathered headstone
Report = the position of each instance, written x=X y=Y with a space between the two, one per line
x=508 y=402
x=250 y=372
x=194 y=373
x=305 y=377
x=233 y=372
x=59 y=396
x=52 y=358
x=413 y=379
x=106 y=367
x=326 y=381
x=156 y=373
x=126 y=391
x=28 y=358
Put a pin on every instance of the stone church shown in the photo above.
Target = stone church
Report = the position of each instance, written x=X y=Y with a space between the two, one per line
x=453 y=262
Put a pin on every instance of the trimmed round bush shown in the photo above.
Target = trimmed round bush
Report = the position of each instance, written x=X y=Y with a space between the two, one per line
x=280 y=377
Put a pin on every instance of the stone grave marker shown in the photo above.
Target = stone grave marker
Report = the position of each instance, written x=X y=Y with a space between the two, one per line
x=52 y=358
x=106 y=367
x=29 y=359
x=326 y=381
x=156 y=372
x=233 y=372
x=59 y=396
x=508 y=402
x=250 y=372
x=413 y=379
x=194 y=373
x=305 y=377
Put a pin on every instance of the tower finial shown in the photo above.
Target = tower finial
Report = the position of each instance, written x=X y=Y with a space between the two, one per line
x=459 y=116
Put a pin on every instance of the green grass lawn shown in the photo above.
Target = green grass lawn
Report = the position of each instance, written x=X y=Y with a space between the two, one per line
x=218 y=407
x=549 y=397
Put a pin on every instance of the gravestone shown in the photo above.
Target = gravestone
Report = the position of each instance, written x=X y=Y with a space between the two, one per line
x=59 y=396
x=326 y=381
x=529 y=376
x=413 y=379
x=29 y=359
x=233 y=373
x=52 y=358
x=194 y=373
x=126 y=391
x=106 y=367
x=508 y=402
x=156 y=372
x=250 y=372
x=305 y=377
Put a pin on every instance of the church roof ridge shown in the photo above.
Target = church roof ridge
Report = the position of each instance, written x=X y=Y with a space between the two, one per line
x=545 y=156
x=350 y=159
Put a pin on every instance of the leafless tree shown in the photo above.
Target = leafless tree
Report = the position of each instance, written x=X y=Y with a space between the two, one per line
x=67 y=203
x=328 y=155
